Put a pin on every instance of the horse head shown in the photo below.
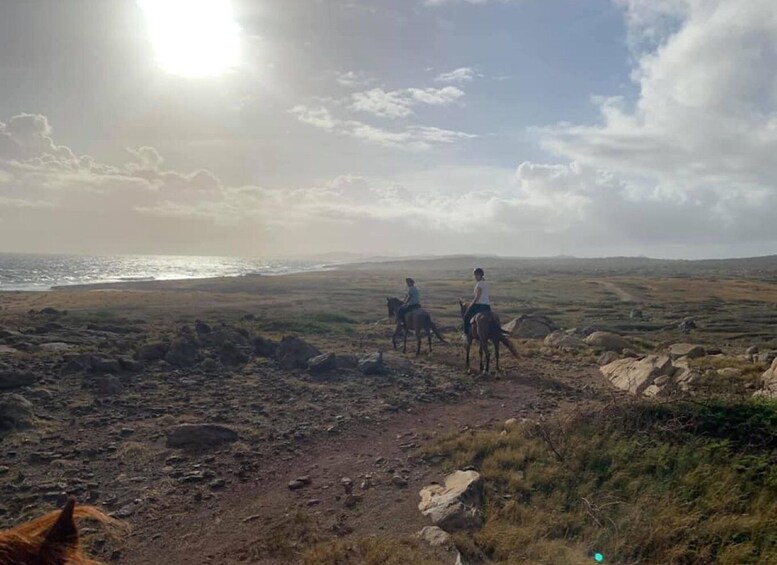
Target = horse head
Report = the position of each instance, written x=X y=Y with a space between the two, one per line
x=462 y=307
x=390 y=304
x=51 y=539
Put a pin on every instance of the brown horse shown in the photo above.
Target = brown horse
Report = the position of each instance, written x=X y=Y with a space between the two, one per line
x=51 y=539
x=417 y=321
x=485 y=326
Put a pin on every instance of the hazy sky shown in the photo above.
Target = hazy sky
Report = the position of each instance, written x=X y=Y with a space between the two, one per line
x=272 y=127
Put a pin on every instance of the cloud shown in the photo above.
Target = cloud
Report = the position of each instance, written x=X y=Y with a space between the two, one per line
x=460 y=75
x=400 y=103
x=353 y=78
x=384 y=104
x=411 y=138
x=317 y=117
x=706 y=113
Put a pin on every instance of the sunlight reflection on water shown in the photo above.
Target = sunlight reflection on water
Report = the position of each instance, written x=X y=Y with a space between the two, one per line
x=41 y=272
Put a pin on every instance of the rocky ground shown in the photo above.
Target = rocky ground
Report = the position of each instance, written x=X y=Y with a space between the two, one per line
x=200 y=420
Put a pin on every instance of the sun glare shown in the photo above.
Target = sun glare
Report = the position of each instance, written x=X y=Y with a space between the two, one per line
x=193 y=38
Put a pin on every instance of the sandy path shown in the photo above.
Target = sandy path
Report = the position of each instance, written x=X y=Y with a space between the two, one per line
x=623 y=295
x=217 y=530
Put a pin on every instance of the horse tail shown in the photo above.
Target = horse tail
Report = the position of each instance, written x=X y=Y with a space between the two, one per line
x=509 y=344
x=434 y=329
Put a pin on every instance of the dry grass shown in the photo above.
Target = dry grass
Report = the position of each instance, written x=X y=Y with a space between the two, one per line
x=286 y=539
x=681 y=483
x=384 y=550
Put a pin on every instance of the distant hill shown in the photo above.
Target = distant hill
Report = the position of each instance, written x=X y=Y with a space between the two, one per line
x=573 y=265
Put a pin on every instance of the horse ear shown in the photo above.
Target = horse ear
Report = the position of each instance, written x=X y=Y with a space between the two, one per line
x=63 y=533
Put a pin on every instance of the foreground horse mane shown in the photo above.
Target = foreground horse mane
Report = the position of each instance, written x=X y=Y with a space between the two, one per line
x=51 y=539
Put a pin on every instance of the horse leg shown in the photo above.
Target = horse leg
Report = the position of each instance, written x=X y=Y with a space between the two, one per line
x=418 y=342
x=496 y=353
x=429 y=337
x=469 y=344
x=394 y=337
x=404 y=343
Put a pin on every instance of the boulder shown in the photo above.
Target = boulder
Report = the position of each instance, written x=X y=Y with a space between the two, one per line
x=294 y=353
x=689 y=350
x=153 y=351
x=372 y=364
x=322 y=363
x=434 y=536
x=684 y=375
x=11 y=377
x=264 y=347
x=607 y=341
x=769 y=382
x=635 y=375
x=752 y=350
x=16 y=412
x=201 y=327
x=232 y=355
x=456 y=506
x=533 y=326
x=564 y=341
x=607 y=357
x=199 y=435
x=183 y=352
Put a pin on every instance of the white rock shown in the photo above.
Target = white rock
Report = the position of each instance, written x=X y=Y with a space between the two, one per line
x=456 y=505
x=689 y=350
x=635 y=375
x=607 y=341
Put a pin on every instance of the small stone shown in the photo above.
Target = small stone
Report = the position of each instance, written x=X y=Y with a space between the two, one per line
x=399 y=481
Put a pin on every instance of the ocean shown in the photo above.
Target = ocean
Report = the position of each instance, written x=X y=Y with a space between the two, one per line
x=42 y=272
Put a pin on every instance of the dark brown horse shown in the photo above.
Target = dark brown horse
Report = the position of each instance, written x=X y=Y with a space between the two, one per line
x=51 y=539
x=485 y=327
x=417 y=321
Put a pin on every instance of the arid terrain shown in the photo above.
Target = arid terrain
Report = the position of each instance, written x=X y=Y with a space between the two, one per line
x=180 y=408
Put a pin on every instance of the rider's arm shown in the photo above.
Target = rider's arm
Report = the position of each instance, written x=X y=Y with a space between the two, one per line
x=478 y=292
x=406 y=300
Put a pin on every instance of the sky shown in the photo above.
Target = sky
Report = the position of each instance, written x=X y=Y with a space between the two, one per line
x=389 y=127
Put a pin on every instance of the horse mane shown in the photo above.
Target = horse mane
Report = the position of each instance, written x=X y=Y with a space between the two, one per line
x=51 y=539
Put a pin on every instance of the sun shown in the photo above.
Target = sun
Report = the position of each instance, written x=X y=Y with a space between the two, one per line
x=193 y=38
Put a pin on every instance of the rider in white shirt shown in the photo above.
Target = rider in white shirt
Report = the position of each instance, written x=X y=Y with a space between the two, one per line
x=481 y=301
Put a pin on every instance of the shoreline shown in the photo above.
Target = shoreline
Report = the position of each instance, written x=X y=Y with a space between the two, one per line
x=154 y=281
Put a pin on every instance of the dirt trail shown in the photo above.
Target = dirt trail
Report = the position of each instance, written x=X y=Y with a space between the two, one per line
x=220 y=529
x=623 y=295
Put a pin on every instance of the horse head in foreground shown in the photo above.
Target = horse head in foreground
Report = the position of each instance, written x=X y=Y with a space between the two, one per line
x=51 y=539
x=485 y=327
x=417 y=321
